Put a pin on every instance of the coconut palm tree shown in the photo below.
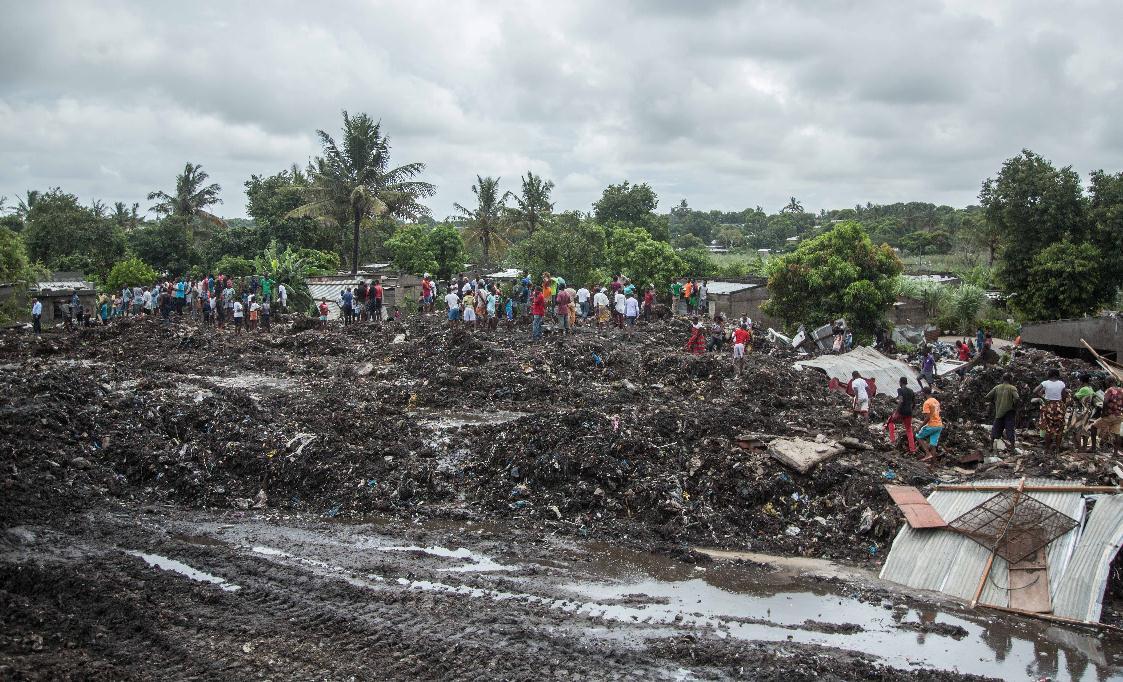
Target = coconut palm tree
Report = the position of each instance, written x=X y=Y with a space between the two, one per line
x=192 y=196
x=354 y=184
x=793 y=206
x=24 y=206
x=484 y=223
x=533 y=206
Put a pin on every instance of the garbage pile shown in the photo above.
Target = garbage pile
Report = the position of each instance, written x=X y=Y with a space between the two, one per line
x=598 y=437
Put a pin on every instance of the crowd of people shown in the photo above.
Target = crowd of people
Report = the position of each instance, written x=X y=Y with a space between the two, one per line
x=242 y=302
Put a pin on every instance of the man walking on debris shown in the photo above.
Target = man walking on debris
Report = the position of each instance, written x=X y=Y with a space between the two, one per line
x=1005 y=397
x=903 y=415
x=861 y=396
x=1053 y=392
x=1112 y=416
x=36 y=316
x=453 y=303
x=601 y=307
x=929 y=434
x=537 y=312
x=631 y=313
x=741 y=339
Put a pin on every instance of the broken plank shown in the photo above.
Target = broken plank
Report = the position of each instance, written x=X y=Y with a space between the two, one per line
x=918 y=512
x=1029 y=584
x=802 y=455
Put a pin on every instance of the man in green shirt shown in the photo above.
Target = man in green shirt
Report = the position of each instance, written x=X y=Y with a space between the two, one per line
x=1005 y=400
x=676 y=294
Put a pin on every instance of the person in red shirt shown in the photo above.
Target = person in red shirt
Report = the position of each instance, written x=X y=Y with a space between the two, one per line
x=537 y=312
x=964 y=351
x=742 y=337
x=648 y=302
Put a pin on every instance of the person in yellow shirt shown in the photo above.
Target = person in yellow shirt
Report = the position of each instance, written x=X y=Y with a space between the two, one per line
x=929 y=434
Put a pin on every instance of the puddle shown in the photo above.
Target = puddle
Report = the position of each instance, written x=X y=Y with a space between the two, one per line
x=166 y=564
x=479 y=563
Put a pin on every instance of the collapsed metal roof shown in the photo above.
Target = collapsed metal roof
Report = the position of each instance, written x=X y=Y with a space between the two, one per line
x=870 y=363
x=1078 y=562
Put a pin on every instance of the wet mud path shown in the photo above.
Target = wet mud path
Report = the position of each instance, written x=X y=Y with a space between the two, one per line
x=173 y=594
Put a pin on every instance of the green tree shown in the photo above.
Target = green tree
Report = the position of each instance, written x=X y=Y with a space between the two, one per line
x=626 y=205
x=634 y=253
x=191 y=199
x=1107 y=218
x=1064 y=280
x=411 y=251
x=130 y=272
x=698 y=263
x=839 y=273
x=63 y=234
x=318 y=262
x=688 y=241
x=235 y=266
x=729 y=237
x=532 y=205
x=1032 y=205
x=127 y=217
x=166 y=245
x=354 y=184
x=447 y=247
x=288 y=268
x=14 y=265
x=484 y=224
x=573 y=248
x=270 y=200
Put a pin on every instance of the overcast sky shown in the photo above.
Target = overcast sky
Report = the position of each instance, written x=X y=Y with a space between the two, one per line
x=726 y=104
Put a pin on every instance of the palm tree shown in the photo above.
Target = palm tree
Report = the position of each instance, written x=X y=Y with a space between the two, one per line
x=355 y=184
x=24 y=206
x=128 y=218
x=793 y=206
x=191 y=197
x=484 y=225
x=533 y=206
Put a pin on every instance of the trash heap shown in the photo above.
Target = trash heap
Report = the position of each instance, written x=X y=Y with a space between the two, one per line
x=600 y=437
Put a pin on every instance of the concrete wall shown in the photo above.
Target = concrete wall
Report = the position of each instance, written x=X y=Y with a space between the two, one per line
x=1105 y=334
x=745 y=302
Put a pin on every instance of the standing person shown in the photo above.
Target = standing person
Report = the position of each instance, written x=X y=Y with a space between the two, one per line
x=903 y=415
x=928 y=368
x=1052 y=419
x=929 y=434
x=601 y=307
x=631 y=313
x=36 y=316
x=649 y=303
x=980 y=339
x=346 y=303
x=255 y=313
x=584 y=301
x=571 y=309
x=1112 y=415
x=703 y=293
x=266 y=309
x=561 y=309
x=75 y=305
x=207 y=307
x=452 y=302
x=510 y=310
x=492 y=311
x=717 y=334
x=687 y=293
x=239 y=313
x=180 y=296
x=963 y=351
x=266 y=289
x=676 y=296
x=427 y=291
x=1085 y=401
x=861 y=396
x=537 y=312
x=283 y=296
x=619 y=304
x=376 y=304
x=696 y=344
x=323 y=310
x=468 y=309
x=741 y=338
x=1005 y=398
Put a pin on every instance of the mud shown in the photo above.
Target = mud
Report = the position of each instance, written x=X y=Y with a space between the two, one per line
x=420 y=503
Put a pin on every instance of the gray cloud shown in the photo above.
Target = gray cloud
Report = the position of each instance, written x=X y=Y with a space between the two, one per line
x=728 y=104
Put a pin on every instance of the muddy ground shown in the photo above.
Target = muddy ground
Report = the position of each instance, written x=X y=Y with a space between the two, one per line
x=555 y=496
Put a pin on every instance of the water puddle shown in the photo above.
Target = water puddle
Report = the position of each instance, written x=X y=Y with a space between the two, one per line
x=165 y=564
x=478 y=563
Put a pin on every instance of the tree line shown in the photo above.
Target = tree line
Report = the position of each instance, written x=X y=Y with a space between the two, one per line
x=1055 y=246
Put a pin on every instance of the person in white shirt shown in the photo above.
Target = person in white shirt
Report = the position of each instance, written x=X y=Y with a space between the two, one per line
x=600 y=304
x=631 y=313
x=583 y=296
x=619 y=304
x=239 y=312
x=453 y=303
x=283 y=294
x=36 y=315
x=861 y=396
x=1053 y=410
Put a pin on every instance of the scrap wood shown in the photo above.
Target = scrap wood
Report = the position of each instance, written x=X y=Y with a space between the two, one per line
x=1110 y=367
x=918 y=512
x=966 y=487
x=1051 y=617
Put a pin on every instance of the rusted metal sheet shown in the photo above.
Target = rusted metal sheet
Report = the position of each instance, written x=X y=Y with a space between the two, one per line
x=918 y=513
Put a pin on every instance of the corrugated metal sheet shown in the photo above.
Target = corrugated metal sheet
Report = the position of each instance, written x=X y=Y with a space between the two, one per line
x=870 y=363
x=330 y=293
x=1081 y=588
x=722 y=288
x=945 y=561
